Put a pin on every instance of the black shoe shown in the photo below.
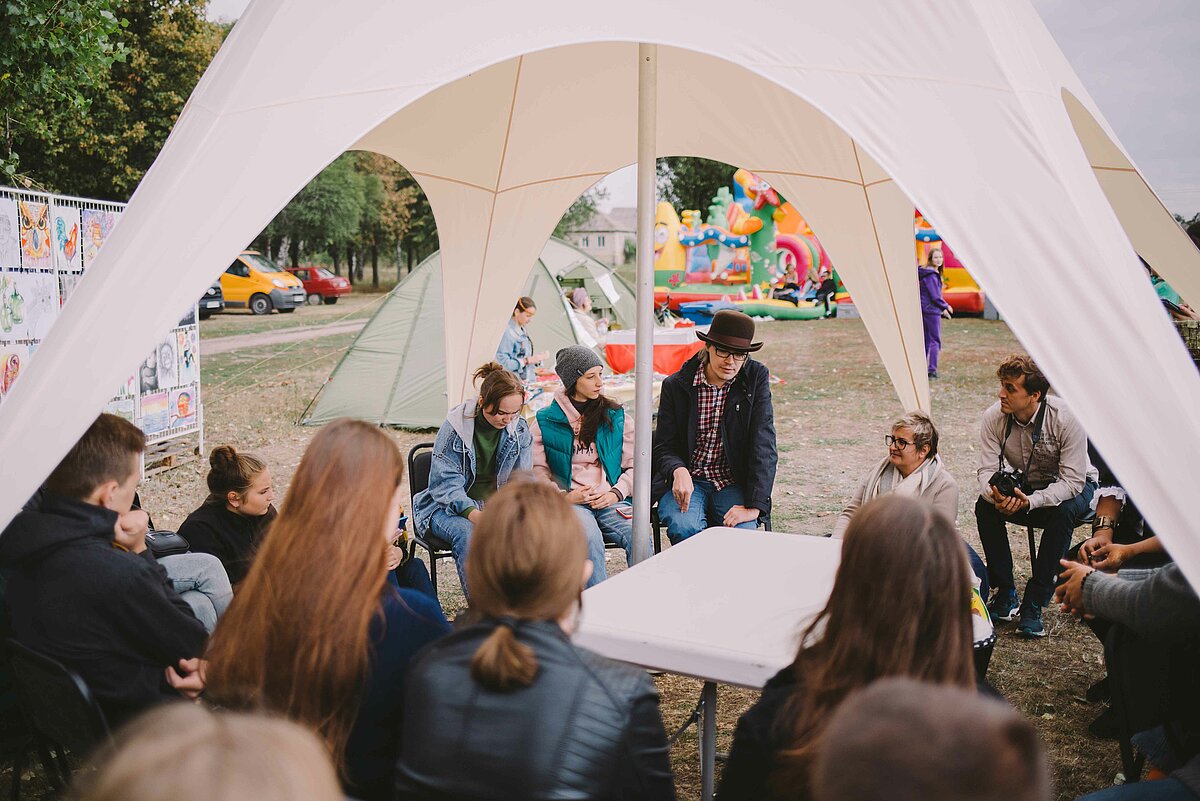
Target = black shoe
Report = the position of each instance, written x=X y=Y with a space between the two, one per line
x=933 y=375
x=1098 y=691
x=1105 y=727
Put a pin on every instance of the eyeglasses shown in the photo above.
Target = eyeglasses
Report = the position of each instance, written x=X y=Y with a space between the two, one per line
x=899 y=444
x=725 y=354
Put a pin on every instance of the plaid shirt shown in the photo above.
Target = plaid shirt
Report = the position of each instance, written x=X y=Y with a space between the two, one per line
x=708 y=460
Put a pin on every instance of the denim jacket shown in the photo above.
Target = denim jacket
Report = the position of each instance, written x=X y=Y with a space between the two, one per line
x=452 y=470
x=514 y=346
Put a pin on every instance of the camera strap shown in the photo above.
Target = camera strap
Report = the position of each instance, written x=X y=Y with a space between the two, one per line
x=1039 y=420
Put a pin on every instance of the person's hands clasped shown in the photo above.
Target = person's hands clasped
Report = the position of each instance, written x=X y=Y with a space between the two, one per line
x=1069 y=593
x=682 y=487
x=947 y=313
x=130 y=530
x=739 y=514
x=394 y=557
x=1010 y=506
x=188 y=680
x=604 y=500
x=583 y=496
x=1088 y=548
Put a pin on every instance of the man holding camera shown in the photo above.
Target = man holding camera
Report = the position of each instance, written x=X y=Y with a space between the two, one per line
x=1033 y=470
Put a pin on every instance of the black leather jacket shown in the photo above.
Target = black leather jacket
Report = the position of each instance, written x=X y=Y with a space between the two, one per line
x=587 y=728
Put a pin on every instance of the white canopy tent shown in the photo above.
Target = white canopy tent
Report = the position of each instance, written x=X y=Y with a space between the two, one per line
x=506 y=112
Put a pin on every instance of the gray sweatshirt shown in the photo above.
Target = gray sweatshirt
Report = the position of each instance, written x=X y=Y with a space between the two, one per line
x=1164 y=608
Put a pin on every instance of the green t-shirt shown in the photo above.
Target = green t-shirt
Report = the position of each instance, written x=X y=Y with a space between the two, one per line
x=486 y=442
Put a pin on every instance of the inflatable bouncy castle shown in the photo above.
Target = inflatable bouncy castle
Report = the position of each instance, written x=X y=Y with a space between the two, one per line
x=750 y=240
x=958 y=287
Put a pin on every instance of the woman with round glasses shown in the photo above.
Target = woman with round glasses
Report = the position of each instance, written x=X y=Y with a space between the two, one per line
x=482 y=443
x=912 y=467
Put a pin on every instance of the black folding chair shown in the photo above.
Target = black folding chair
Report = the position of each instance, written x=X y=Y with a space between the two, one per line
x=60 y=709
x=420 y=460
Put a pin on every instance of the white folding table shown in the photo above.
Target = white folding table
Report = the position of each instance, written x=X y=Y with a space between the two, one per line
x=726 y=606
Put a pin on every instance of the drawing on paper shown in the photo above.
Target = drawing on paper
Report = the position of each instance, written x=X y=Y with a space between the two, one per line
x=155 y=417
x=97 y=225
x=28 y=305
x=122 y=407
x=12 y=360
x=189 y=356
x=66 y=286
x=66 y=239
x=168 y=362
x=34 y=220
x=148 y=373
x=183 y=407
x=10 y=240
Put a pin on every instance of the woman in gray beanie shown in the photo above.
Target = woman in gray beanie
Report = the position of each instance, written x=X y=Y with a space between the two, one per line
x=583 y=442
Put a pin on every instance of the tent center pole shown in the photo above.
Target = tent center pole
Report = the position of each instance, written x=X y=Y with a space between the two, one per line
x=644 y=343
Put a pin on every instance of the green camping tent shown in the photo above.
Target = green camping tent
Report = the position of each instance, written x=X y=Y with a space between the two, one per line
x=394 y=372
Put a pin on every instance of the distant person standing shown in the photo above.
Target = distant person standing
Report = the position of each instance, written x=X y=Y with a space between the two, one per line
x=933 y=307
x=515 y=352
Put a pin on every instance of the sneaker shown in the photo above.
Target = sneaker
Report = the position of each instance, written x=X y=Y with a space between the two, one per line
x=1004 y=605
x=933 y=375
x=1030 y=624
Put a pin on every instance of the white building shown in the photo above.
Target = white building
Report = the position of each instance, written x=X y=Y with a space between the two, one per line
x=603 y=236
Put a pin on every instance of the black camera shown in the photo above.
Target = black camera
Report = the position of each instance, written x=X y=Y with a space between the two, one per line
x=1007 y=482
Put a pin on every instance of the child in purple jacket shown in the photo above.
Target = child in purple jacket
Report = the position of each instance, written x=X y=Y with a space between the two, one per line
x=933 y=308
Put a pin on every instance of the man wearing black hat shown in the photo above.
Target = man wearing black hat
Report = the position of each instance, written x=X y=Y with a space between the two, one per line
x=714 y=447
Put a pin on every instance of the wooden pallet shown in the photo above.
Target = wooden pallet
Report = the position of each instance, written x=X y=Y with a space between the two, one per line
x=173 y=453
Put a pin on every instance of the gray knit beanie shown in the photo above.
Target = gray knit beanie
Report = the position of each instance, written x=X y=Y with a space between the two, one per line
x=573 y=361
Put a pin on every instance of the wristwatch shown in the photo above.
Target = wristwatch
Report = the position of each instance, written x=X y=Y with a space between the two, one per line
x=1103 y=521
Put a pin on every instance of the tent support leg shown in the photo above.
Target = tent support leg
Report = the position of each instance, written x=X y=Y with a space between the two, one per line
x=644 y=343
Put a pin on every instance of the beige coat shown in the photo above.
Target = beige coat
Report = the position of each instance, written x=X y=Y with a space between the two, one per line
x=937 y=487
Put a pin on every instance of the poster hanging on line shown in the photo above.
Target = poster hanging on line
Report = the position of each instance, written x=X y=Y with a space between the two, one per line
x=10 y=239
x=34 y=222
x=183 y=406
x=67 y=257
x=155 y=417
x=29 y=303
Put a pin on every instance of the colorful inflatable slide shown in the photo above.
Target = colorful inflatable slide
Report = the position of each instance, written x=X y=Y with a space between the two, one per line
x=748 y=242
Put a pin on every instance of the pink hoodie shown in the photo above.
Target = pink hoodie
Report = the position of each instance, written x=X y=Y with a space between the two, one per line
x=586 y=470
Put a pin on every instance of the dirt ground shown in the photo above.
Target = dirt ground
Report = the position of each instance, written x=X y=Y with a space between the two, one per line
x=831 y=411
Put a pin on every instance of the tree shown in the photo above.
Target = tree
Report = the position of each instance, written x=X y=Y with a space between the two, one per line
x=420 y=239
x=325 y=213
x=54 y=53
x=690 y=183
x=581 y=211
x=105 y=152
x=389 y=192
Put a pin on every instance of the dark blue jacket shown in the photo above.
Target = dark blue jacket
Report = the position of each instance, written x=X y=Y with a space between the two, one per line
x=410 y=620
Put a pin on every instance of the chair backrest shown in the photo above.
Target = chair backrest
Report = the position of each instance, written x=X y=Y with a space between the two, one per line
x=57 y=703
x=420 y=459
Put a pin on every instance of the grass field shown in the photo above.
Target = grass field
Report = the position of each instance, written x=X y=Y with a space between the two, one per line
x=832 y=410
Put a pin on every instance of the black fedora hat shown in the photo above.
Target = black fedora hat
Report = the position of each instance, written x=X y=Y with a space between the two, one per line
x=731 y=330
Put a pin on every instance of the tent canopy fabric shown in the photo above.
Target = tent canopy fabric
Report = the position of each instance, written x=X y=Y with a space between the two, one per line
x=506 y=112
x=394 y=374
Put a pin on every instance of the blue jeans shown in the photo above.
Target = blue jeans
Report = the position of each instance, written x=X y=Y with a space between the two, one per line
x=454 y=530
x=707 y=508
x=1057 y=524
x=201 y=580
x=605 y=525
x=1167 y=789
x=412 y=575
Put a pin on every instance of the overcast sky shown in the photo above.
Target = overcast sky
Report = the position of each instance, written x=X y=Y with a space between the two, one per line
x=1139 y=59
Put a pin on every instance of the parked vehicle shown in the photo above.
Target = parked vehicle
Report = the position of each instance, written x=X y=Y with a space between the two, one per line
x=321 y=285
x=212 y=302
x=255 y=282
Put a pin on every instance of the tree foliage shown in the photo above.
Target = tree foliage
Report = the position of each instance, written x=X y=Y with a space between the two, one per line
x=581 y=210
x=105 y=152
x=53 y=54
x=690 y=183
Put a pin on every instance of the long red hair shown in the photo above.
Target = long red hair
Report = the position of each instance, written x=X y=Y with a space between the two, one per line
x=295 y=640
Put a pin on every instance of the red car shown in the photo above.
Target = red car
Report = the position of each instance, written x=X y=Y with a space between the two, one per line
x=321 y=285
